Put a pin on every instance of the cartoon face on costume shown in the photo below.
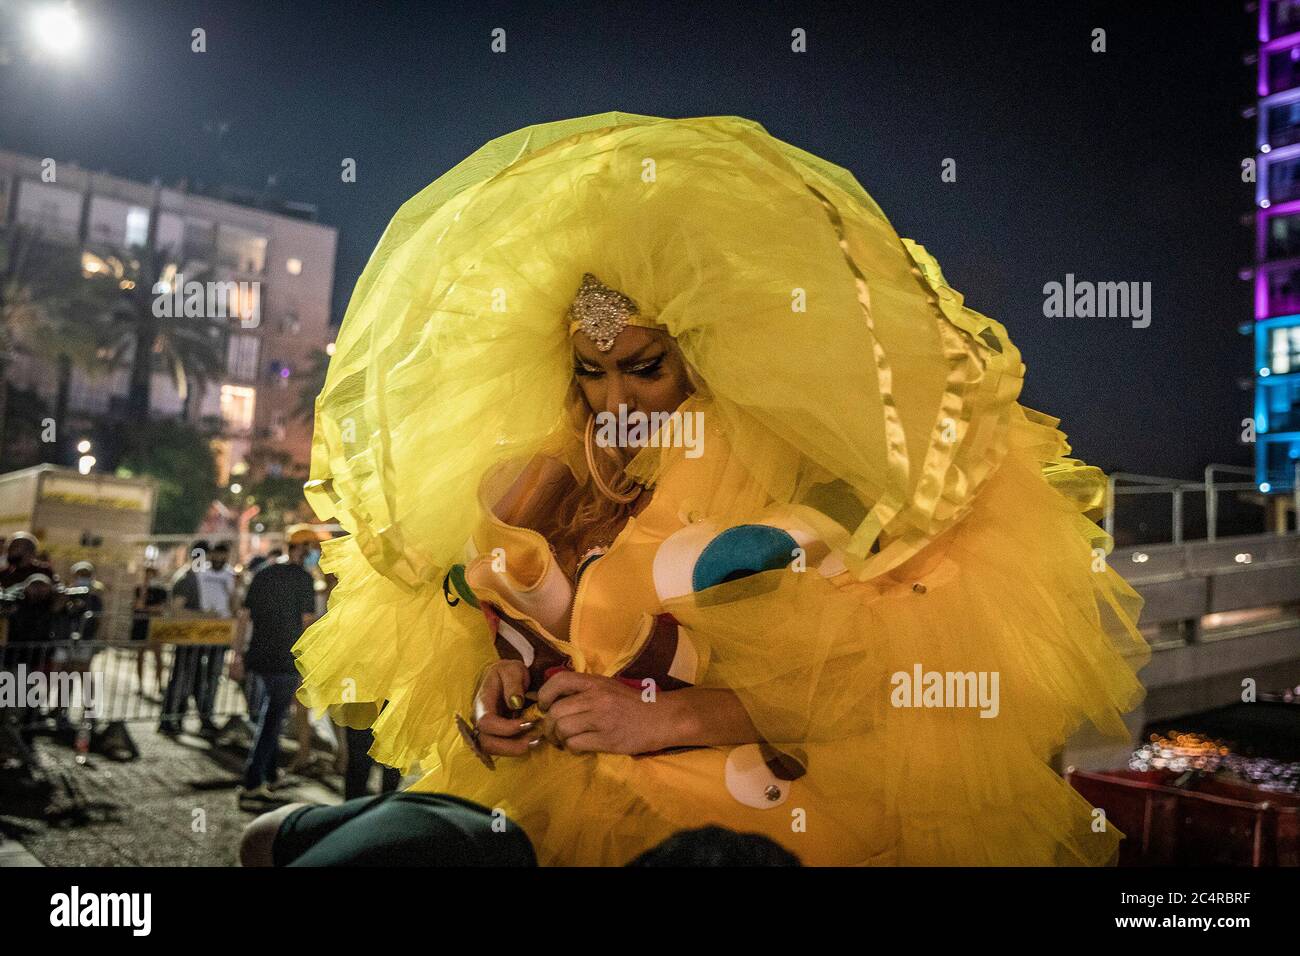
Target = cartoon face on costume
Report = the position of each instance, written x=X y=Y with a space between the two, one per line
x=701 y=555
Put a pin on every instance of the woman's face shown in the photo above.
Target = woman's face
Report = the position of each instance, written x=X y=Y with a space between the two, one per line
x=642 y=371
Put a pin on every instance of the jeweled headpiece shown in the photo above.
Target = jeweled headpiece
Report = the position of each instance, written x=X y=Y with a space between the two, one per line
x=602 y=313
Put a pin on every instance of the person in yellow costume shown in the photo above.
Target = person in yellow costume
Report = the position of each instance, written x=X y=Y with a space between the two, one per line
x=681 y=491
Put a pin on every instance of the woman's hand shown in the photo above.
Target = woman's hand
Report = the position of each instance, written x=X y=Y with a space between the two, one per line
x=585 y=713
x=501 y=693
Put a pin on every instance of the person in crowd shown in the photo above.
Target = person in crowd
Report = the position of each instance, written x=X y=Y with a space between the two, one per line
x=79 y=621
x=305 y=759
x=150 y=601
x=85 y=599
x=30 y=601
x=185 y=659
x=280 y=603
x=356 y=773
x=251 y=689
x=206 y=586
x=218 y=596
x=31 y=590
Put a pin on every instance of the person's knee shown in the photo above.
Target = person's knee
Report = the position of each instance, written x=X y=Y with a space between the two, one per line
x=257 y=844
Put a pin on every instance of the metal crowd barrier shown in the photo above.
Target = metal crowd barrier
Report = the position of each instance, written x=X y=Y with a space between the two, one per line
x=182 y=668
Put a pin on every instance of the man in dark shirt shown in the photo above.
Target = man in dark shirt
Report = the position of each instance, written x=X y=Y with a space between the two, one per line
x=85 y=602
x=150 y=602
x=31 y=591
x=30 y=597
x=280 y=603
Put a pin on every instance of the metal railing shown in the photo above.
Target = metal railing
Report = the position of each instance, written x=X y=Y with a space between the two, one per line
x=120 y=681
x=183 y=666
x=1211 y=487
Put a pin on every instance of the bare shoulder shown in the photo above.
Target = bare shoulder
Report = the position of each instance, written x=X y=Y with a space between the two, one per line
x=542 y=479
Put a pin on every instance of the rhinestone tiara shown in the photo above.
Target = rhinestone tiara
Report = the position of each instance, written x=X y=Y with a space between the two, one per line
x=602 y=313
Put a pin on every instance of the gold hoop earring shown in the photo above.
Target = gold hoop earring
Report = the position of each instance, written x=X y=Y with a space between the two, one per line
x=618 y=497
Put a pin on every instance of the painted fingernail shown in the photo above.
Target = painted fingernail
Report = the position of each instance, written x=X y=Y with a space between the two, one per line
x=535 y=743
x=527 y=725
x=516 y=702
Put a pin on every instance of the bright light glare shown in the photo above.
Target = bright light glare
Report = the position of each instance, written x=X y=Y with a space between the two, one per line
x=83 y=446
x=56 y=28
x=85 y=463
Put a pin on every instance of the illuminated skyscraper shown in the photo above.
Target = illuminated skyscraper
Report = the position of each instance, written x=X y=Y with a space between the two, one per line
x=1277 y=252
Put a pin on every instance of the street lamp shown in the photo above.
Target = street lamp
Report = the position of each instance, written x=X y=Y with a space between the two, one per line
x=83 y=446
x=85 y=463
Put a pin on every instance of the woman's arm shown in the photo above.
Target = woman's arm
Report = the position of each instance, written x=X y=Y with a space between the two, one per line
x=587 y=713
x=706 y=717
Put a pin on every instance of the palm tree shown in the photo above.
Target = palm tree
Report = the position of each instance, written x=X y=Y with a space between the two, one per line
x=190 y=350
x=71 y=336
x=23 y=290
x=312 y=384
x=47 y=310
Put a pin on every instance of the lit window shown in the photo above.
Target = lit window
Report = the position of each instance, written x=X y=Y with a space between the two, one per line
x=241 y=356
x=1284 y=349
x=53 y=210
x=245 y=303
x=237 y=403
x=137 y=226
x=240 y=250
x=221 y=454
x=294 y=266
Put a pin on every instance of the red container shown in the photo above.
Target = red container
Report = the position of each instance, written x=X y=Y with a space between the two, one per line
x=1208 y=822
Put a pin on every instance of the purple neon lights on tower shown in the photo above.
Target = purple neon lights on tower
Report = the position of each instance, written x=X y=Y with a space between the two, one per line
x=1277 y=248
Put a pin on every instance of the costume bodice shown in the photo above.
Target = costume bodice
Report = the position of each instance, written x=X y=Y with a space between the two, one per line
x=614 y=622
x=611 y=620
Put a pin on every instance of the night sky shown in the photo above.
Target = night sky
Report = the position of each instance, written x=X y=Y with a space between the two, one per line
x=1122 y=166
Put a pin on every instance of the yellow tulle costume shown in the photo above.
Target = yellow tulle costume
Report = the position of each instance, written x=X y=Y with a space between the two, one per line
x=851 y=401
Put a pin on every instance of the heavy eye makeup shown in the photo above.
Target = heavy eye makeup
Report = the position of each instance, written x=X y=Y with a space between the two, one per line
x=648 y=369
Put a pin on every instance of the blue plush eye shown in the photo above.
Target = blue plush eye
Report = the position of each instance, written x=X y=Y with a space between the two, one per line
x=700 y=556
x=741 y=551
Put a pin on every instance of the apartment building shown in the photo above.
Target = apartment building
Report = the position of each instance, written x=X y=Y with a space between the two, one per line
x=281 y=254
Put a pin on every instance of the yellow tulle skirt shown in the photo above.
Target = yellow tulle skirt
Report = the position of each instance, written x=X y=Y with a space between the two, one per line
x=1020 y=588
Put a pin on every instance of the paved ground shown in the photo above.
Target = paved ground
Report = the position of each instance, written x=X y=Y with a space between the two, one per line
x=173 y=806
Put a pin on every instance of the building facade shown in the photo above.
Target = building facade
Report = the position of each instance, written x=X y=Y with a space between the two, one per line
x=1277 y=248
x=281 y=259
